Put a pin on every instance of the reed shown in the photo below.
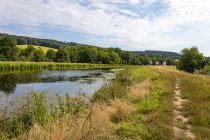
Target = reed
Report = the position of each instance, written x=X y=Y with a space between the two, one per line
x=6 y=66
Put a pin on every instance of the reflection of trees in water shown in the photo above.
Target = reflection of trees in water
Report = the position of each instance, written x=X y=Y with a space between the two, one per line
x=8 y=81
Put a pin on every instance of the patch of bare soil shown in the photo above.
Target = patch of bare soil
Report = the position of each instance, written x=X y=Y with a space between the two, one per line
x=181 y=127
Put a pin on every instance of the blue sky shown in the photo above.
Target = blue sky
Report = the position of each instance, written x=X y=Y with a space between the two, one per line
x=168 y=25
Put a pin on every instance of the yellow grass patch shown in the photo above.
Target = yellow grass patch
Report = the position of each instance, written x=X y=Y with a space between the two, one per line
x=120 y=110
x=94 y=124
x=139 y=91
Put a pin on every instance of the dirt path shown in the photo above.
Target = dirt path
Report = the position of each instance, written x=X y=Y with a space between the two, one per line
x=181 y=127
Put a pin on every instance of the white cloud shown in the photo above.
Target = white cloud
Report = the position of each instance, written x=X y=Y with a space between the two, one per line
x=185 y=23
x=134 y=1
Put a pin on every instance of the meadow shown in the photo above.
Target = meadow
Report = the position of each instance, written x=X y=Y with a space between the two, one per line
x=45 y=49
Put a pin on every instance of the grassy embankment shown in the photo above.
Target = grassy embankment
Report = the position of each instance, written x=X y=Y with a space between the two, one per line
x=45 y=49
x=16 y=65
x=137 y=105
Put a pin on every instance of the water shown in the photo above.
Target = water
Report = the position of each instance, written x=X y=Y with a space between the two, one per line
x=51 y=82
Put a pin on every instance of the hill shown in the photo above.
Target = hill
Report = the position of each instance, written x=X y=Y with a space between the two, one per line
x=51 y=43
x=22 y=40
x=157 y=53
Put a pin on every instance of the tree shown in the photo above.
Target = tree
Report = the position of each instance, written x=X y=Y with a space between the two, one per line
x=170 y=61
x=29 y=52
x=39 y=55
x=114 y=58
x=88 y=55
x=51 y=55
x=62 y=55
x=8 y=50
x=191 y=59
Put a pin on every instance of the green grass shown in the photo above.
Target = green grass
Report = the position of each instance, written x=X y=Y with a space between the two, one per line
x=45 y=49
x=153 y=115
x=196 y=89
x=16 y=65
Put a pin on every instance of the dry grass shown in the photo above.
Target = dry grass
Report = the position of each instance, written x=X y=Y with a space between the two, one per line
x=120 y=110
x=139 y=91
x=91 y=125
x=94 y=124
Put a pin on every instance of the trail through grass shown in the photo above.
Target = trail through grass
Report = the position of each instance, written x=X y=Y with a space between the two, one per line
x=181 y=126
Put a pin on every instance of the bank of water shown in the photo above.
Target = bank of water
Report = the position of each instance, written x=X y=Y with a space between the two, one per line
x=15 y=85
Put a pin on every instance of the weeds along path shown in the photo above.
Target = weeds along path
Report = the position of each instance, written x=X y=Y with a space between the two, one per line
x=181 y=127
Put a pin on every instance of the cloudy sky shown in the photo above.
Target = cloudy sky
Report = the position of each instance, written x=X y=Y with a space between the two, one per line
x=129 y=24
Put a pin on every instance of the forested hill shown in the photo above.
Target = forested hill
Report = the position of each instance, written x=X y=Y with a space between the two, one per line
x=23 y=40
x=157 y=53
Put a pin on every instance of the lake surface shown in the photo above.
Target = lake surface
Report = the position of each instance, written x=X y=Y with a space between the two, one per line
x=51 y=82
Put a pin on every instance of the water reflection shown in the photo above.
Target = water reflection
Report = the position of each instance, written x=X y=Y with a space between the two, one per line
x=8 y=81
x=57 y=81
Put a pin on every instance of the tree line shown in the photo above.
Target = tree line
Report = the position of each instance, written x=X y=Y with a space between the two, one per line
x=76 y=54
x=23 y=40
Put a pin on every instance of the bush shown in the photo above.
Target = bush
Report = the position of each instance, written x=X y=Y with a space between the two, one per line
x=191 y=60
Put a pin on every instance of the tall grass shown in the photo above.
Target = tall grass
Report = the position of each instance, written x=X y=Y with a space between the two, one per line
x=5 y=66
x=153 y=110
x=149 y=93
x=196 y=89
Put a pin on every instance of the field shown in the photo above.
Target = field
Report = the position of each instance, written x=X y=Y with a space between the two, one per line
x=45 y=49
x=148 y=103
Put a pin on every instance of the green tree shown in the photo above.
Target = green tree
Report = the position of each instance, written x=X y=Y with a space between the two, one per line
x=191 y=59
x=29 y=53
x=62 y=55
x=74 y=53
x=39 y=55
x=170 y=61
x=103 y=57
x=8 y=50
x=114 y=58
x=51 y=55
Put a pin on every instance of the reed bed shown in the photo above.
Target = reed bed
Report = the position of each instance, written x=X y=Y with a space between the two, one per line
x=6 y=66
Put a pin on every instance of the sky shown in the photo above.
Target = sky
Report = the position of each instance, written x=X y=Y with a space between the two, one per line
x=167 y=25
